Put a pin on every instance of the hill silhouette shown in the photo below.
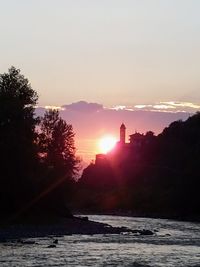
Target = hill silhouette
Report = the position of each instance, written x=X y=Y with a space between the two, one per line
x=157 y=177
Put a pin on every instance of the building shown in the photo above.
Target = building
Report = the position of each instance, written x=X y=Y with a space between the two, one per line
x=122 y=139
x=122 y=151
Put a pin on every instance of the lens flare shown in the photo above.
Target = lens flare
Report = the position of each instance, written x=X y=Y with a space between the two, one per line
x=107 y=143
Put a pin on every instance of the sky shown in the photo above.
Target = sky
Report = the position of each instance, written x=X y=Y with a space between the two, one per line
x=92 y=121
x=122 y=54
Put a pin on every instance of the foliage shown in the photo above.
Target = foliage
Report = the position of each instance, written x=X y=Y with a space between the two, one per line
x=36 y=168
x=159 y=177
x=57 y=155
x=17 y=135
x=56 y=142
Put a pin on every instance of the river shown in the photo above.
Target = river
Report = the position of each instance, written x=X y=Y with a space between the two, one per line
x=174 y=244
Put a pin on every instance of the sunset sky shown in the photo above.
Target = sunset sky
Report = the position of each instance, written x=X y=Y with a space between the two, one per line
x=137 y=60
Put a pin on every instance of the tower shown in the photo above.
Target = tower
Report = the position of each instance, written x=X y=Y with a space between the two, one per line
x=122 y=134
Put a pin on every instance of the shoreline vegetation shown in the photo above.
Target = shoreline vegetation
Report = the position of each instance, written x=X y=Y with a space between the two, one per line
x=155 y=176
x=151 y=176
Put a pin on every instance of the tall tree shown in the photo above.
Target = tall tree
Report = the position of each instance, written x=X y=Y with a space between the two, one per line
x=57 y=144
x=17 y=134
x=57 y=151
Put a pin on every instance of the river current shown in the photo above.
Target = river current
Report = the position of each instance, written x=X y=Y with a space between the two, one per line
x=174 y=244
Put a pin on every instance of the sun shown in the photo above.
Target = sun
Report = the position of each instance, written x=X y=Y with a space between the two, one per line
x=107 y=143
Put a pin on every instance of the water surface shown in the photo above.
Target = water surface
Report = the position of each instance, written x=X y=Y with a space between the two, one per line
x=173 y=244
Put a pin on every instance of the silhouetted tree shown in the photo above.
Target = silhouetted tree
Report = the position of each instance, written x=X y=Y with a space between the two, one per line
x=57 y=152
x=17 y=135
x=57 y=144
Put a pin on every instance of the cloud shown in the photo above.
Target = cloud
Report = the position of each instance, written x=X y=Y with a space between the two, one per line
x=53 y=107
x=90 y=120
x=169 y=106
x=163 y=107
x=141 y=106
x=120 y=107
x=182 y=104
x=83 y=106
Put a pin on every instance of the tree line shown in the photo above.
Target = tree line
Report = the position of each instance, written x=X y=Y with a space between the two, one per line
x=37 y=154
x=158 y=177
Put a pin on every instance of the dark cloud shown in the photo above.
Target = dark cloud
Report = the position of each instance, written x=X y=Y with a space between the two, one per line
x=91 y=119
x=83 y=106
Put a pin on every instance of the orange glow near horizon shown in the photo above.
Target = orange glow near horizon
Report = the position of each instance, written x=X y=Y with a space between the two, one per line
x=107 y=143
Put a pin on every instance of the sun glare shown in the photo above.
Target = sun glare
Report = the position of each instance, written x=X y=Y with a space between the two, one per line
x=107 y=143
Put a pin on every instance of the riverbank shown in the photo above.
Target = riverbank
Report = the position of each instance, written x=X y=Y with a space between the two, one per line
x=175 y=217
x=173 y=244
x=59 y=227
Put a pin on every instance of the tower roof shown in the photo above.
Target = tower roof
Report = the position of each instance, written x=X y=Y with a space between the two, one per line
x=122 y=126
